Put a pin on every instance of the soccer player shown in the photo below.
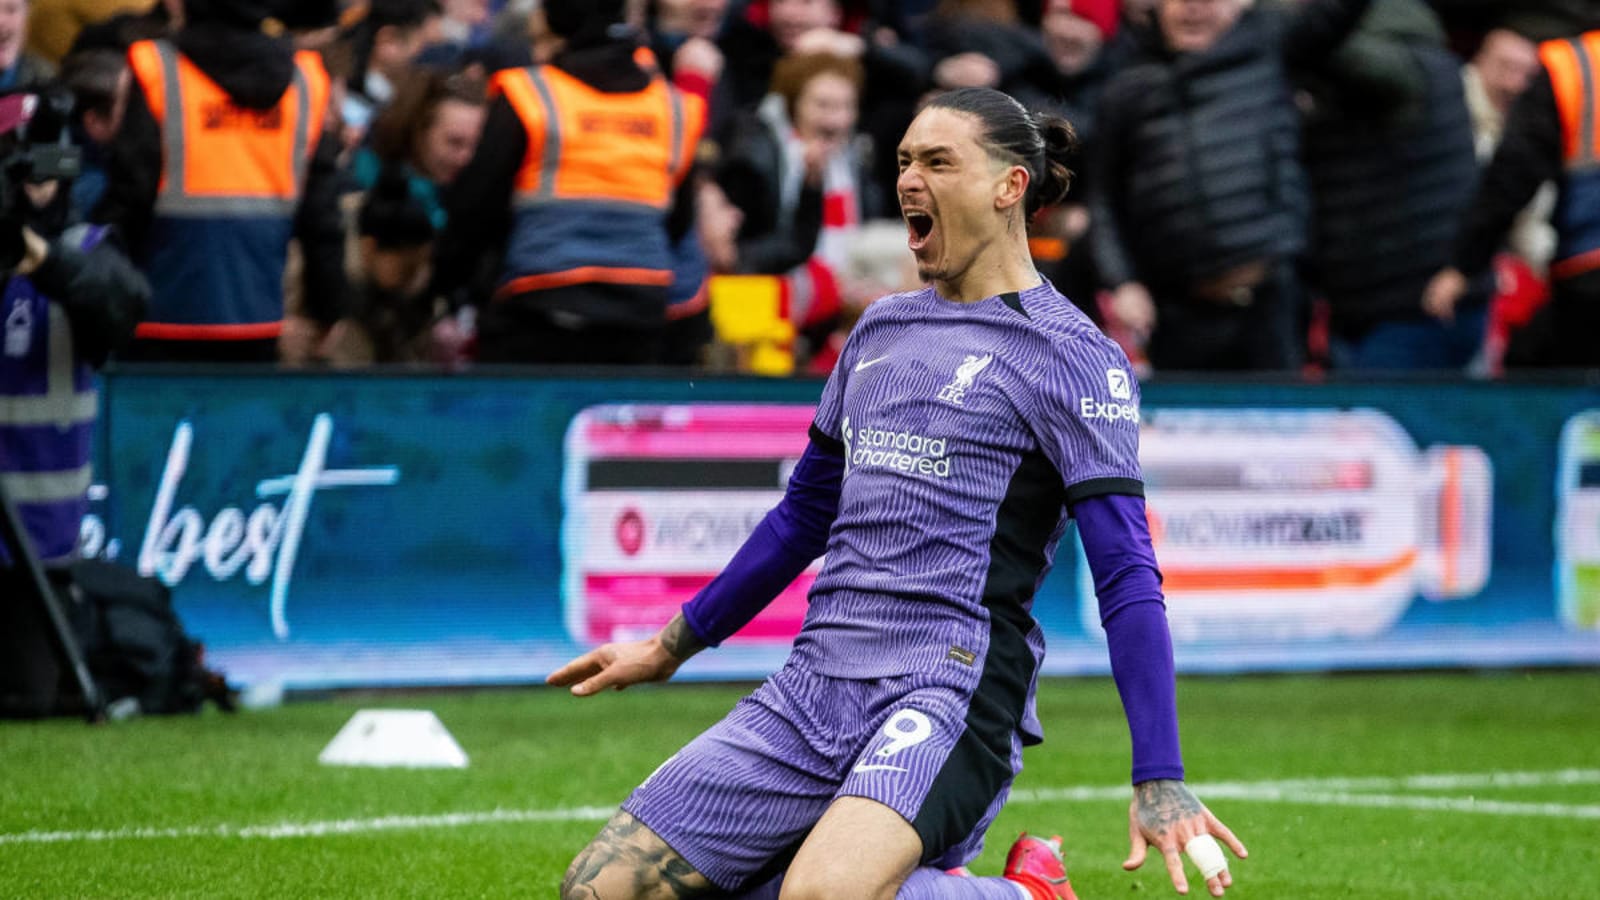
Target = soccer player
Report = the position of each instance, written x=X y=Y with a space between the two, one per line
x=964 y=425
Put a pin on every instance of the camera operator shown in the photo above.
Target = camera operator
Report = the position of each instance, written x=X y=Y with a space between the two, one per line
x=69 y=301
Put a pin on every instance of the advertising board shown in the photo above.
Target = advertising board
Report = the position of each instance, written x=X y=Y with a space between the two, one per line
x=329 y=530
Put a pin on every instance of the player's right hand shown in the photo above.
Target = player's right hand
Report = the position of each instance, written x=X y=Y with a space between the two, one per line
x=616 y=666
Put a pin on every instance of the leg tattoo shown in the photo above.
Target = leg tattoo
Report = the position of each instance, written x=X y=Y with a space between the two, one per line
x=629 y=857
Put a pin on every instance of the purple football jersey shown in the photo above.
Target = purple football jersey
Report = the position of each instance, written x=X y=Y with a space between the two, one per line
x=967 y=430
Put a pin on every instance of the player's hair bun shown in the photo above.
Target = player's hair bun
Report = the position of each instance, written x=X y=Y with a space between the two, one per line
x=1060 y=151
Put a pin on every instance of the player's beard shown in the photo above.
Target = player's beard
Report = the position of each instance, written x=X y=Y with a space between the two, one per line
x=951 y=248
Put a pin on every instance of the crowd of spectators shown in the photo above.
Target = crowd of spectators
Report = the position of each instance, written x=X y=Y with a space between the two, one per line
x=1265 y=185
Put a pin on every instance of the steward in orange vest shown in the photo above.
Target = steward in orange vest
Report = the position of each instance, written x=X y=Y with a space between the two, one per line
x=225 y=154
x=581 y=174
x=1552 y=134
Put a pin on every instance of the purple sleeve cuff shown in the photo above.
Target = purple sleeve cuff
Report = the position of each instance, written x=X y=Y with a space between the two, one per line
x=786 y=541
x=1116 y=540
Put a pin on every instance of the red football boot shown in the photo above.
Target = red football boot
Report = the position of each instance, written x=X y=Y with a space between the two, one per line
x=1036 y=864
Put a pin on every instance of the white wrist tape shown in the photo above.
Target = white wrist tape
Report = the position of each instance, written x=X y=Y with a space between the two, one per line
x=1206 y=855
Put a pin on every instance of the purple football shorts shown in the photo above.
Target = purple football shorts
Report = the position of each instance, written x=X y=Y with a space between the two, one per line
x=738 y=801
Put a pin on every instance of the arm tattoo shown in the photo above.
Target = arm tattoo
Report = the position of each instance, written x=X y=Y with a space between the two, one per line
x=631 y=858
x=679 y=640
x=1164 y=803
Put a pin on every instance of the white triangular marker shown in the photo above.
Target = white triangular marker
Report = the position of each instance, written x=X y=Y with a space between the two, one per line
x=412 y=738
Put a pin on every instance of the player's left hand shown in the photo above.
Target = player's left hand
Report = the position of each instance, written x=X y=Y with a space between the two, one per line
x=1166 y=814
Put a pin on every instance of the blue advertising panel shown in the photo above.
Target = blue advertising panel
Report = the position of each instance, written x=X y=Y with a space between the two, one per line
x=332 y=530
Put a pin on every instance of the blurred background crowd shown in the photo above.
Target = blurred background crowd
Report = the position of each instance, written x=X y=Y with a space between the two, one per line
x=1278 y=185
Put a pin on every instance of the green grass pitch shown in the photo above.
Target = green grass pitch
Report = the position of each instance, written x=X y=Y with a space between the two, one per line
x=1315 y=773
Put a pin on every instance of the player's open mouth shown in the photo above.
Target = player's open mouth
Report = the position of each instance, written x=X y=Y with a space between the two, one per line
x=920 y=225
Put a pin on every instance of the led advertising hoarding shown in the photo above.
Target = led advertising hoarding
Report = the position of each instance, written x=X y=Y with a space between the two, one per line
x=323 y=530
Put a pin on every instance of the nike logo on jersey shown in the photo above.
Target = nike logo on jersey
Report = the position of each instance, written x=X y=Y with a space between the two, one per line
x=878 y=767
x=869 y=363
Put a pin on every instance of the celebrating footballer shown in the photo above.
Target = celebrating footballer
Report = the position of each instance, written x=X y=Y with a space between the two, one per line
x=964 y=426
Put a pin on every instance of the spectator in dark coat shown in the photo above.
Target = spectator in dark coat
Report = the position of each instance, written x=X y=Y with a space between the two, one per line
x=1199 y=203
x=99 y=82
x=1541 y=144
x=1076 y=35
x=873 y=32
x=1540 y=20
x=385 y=42
x=1388 y=147
x=796 y=175
x=984 y=43
x=1494 y=78
x=775 y=170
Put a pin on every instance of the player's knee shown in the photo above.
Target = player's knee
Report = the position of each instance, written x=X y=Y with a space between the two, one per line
x=587 y=881
x=571 y=887
x=620 y=880
x=598 y=873
x=627 y=861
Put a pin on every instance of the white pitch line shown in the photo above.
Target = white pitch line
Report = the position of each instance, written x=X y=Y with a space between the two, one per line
x=1272 y=789
x=1313 y=791
x=1436 y=804
x=318 y=829
x=1442 y=782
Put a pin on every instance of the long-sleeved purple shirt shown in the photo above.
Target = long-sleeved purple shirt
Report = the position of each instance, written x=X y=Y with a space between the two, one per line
x=1116 y=541
x=948 y=448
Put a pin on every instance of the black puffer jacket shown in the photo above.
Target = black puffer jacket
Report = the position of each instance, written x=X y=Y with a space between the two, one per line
x=1392 y=172
x=895 y=71
x=1026 y=70
x=1196 y=168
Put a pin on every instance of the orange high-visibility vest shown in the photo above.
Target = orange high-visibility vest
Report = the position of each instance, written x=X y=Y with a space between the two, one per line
x=597 y=180
x=231 y=180
x=1572 y=66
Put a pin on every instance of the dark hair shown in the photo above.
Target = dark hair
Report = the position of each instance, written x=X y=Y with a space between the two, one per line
x=1043 y=143
x=238 y=13
x=307 y=14
x=404 y=14
x=392 y=215
x=415 y=107
x=361 y=34
x=583 y=22
x=93 y=77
